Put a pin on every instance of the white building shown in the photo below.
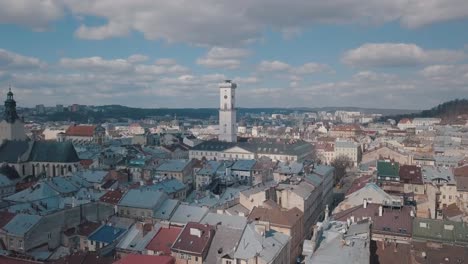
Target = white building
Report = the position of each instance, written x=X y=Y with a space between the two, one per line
x=227 y=112
x=350 y=149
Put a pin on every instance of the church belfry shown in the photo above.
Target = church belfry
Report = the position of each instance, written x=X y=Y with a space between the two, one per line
x=11 y=127
x=10 y=114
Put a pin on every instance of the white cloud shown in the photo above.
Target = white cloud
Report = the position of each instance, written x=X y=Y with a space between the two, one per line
x=137 y=58
x=223 y=22
x=97 y=64
x=219 y=57
x=165 y=61
x=11 y=60
x=273 y=66
x=34 y=14
x=312 y=67
x=397 y=54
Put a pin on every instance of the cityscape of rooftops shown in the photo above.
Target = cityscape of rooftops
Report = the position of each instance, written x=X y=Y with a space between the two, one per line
x=233 y=132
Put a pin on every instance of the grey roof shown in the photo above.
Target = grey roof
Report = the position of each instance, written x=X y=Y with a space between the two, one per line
x=21 y=224
x=314 y=179
x=92 y=176
x=62 y=185
x=259 y=188
x=243 y=165
x=224 y=243
x=143 y=198
x=346 y=144
x=290 y=167
x=188 y=213
x=230 y=221
x=167 y=208
x=431 y=173
x=323 y=169
x=38 y=191
x=331 y=249
x=303 y=189
x=210 y=168
x=173 y=165
x=169 y=186
x=260 y=146
x=136 y=240
x=266 y=247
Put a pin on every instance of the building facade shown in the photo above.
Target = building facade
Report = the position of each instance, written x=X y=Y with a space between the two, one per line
x=227 y=112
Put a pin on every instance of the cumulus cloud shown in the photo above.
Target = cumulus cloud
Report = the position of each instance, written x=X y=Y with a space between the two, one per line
x=295 y=72
x=224 y=23
x=273 y=66
x=33 y=14
x=11 y=60
x=219 y=57
x=397 y=54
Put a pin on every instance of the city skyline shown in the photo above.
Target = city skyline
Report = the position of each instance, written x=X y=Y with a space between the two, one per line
x=302 y=54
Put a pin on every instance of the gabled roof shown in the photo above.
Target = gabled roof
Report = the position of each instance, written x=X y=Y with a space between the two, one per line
x=21 y=224
x=195 y=239
x=80 y=131
x=276 y=216
x=143 y=198
x=164 y=239
x=52 y=151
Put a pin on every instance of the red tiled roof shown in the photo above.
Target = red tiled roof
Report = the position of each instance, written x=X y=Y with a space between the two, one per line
x=112 y=197
x=193 y=244
x=164 y=239
x=410 y=174
x=5 y=218
x=86 y=163
x=391 y=222
x=358 y=184
x=405 y=121
x=80 y=131
x=146 y=259
x=8 y=260
x=276 y=216
x=24 y=185
x=461 y=171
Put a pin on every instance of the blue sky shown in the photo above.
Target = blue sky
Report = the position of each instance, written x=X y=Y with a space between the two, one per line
x=152 y=53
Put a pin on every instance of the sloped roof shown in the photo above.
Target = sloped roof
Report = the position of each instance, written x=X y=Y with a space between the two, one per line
x=196 y=245
x=276 y=216
x=52 y=151
x=106 y=234
x=145 y=259
x=80 y=131
x=11 y=151
x=21 y=224
x=164 y=239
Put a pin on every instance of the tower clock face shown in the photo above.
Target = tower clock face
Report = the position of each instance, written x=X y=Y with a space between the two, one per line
x=225 y=97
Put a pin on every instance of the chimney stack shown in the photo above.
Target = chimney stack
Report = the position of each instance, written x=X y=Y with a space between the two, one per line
x=365 y=204
x=380 y=210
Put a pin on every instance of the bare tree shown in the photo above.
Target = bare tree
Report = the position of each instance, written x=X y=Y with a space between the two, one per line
x=341 y=163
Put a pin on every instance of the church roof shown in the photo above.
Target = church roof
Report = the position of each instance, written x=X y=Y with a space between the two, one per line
x=51 y=151
x=80 y=130
x=37 y=151
x=12 y=151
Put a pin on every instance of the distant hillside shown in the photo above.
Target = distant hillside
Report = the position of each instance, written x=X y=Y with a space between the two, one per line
x=448 y=111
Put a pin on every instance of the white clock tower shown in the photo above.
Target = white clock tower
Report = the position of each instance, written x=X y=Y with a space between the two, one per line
x=227 y=112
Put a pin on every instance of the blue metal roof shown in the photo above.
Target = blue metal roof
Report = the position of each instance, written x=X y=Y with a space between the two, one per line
x=106 y=234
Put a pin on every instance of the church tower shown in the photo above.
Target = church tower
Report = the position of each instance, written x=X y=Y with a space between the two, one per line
x=227 y=112
x=11 y=127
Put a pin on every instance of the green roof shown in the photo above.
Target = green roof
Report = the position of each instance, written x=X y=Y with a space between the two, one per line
x=388 y=169
x=52 y=151
x=37 y=151
x=440 y=230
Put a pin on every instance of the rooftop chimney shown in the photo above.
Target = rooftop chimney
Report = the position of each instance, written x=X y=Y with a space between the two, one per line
x=380 y=210
x=365 y=203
